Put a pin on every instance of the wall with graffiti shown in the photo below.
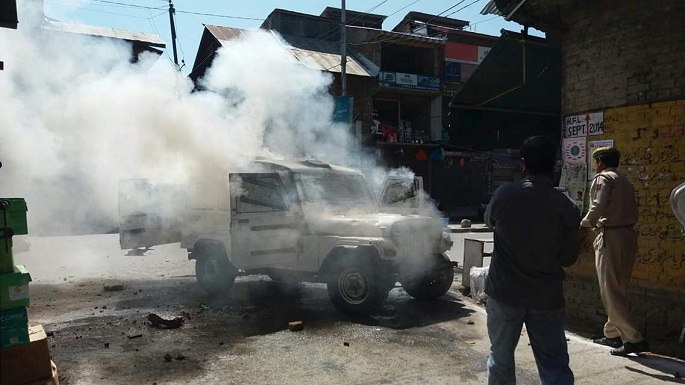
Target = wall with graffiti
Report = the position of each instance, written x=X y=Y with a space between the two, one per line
x=651 y=139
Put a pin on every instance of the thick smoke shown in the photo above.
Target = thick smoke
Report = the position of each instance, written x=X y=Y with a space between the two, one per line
x=77 y=117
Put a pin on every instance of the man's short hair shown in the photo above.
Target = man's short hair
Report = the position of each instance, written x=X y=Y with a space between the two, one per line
x=539 y=154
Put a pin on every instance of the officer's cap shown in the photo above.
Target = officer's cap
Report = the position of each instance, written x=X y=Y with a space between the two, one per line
x=605 y=151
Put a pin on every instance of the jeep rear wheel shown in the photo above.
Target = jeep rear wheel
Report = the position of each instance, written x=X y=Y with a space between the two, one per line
x=213 y=271
x=431 y=286
x=353 y=288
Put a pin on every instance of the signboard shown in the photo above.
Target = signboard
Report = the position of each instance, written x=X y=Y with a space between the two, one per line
x=592 y=147
x=576 y=126
x=411 y=81
x=465 y=53
x=574 y=151
x=342 y=112
x=574 y=179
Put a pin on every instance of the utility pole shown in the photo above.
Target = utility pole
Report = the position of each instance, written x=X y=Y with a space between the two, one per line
x=343 y=50
x=172 y=11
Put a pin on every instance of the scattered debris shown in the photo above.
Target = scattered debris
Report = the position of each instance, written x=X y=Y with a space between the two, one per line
x=104 y=307
x=168 y=357
x=470 y=322
x=134 y=336
x=296 y=326
x=161 y=323
x=180 y=357
x=50 y=334
x=115 y=287
x=346 y=343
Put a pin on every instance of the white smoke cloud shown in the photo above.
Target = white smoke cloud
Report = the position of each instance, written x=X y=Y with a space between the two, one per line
x=76 y=117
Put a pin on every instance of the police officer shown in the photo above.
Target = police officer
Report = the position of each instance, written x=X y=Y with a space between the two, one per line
x=612 y=216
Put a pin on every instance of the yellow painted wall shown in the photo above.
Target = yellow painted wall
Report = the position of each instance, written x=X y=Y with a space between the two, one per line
x=651 y=139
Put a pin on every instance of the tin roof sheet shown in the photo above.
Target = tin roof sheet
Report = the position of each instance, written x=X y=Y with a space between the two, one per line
x=151 y=39
x=318 y=54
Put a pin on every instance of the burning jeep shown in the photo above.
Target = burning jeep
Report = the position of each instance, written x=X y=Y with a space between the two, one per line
x=295 y=221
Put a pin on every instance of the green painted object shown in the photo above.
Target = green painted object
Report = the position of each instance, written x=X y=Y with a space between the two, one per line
x=14 y=288
x=14 y=327
x=6 y=257
x=13 y=215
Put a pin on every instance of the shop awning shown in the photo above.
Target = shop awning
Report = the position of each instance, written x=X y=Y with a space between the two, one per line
x=520 y=74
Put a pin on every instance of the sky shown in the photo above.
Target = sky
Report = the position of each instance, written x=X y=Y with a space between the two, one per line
x=152 y=16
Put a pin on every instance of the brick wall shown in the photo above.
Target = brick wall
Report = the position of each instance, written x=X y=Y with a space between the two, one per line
x=627 y=60
x=618 y=53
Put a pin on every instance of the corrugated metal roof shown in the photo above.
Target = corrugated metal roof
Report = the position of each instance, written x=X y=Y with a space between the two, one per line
x=318 y=54
x=224 y=33
x=61 y=26
x=491 y=9
x=325 y=56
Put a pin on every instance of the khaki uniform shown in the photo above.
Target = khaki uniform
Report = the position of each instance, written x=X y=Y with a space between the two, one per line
x=612 y=215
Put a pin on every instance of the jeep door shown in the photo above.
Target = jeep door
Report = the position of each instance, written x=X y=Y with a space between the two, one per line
x=148 y=213
x=265 y=231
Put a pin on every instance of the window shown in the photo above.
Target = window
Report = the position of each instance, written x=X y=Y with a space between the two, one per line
x=400 y=191
x=261 y=194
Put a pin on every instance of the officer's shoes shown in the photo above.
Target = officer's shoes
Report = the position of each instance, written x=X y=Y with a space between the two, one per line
x=611 y=342
x=630 y=347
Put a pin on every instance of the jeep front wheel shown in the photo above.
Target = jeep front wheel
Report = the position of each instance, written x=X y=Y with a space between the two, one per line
x=214 y=273
x=432 y=285
x=353 y=289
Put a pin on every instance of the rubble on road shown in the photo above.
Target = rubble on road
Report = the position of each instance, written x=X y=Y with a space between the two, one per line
x=162 y=323
x=296 y=326
x=115 y=287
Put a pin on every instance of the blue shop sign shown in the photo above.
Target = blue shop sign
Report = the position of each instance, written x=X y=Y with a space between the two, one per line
x=411 y=81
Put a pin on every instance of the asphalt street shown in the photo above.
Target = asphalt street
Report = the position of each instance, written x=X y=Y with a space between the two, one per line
x=99 y=336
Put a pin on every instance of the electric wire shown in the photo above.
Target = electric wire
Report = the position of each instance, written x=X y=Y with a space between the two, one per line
x=403 y=8
x=151 y=20
x=334 y=30
x=126 y=4
x=464 y=7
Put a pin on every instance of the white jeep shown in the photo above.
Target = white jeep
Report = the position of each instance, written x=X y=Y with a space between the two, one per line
x=295 y=221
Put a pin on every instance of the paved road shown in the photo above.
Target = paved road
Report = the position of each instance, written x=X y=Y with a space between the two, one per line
x=243 y=338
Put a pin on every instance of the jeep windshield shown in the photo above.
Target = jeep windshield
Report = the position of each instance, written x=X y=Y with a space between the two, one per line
x=339 y=191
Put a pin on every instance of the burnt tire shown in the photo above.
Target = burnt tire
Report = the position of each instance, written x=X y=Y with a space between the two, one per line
x=214 y=272
x=353 y=287
x=434 y=285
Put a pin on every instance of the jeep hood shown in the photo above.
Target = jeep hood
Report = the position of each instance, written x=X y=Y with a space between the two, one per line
x=365 y=225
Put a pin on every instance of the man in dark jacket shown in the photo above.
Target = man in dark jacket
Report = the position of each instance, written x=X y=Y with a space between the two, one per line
x=536 y=236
